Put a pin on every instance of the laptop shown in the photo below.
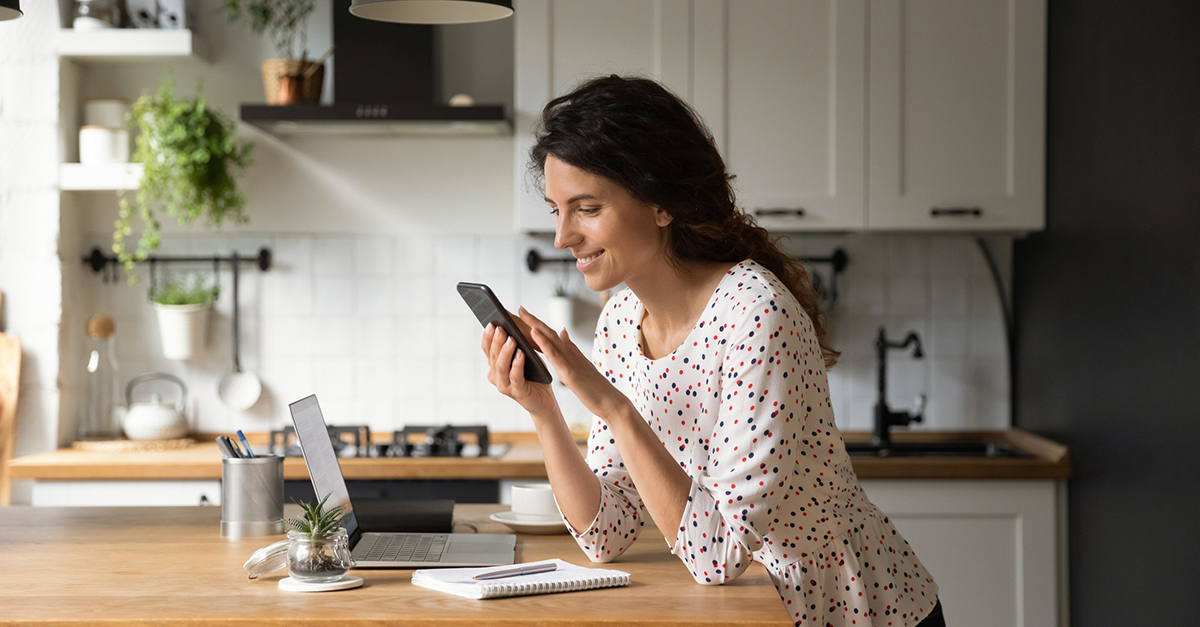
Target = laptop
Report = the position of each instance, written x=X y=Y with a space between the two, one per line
x=387 y=550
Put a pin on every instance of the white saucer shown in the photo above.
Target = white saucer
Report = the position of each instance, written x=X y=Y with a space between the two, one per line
x=539 y=528
x=345 y=583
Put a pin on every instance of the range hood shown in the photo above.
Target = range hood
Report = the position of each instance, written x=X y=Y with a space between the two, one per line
x=385 y=82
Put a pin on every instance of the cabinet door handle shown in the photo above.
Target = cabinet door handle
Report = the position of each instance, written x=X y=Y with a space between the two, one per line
x=974 y=212
x=798 y=212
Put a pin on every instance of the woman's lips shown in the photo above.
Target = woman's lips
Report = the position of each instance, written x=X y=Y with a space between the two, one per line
x=586 y=263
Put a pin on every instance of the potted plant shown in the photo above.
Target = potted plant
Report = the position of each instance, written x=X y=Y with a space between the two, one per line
x=191 y=169
x=318 y=548
x=291 y=78
x=560 y=309
x=183 y=305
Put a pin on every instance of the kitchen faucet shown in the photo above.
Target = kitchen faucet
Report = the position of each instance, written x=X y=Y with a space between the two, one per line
x=884 y=417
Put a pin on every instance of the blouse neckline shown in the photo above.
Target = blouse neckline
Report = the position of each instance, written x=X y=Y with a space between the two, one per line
x=640 y=310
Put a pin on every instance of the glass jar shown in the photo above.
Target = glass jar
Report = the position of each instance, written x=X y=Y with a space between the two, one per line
x=96 y=14
x=101 y=412
x=318 y=559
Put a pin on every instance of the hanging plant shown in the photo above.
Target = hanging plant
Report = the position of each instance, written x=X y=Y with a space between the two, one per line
x=192 y=165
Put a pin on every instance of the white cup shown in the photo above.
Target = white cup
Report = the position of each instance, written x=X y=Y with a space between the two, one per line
x=534 y=502
x=103 y=144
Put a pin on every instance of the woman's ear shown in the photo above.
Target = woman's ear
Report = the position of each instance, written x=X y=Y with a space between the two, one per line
x=662 y=217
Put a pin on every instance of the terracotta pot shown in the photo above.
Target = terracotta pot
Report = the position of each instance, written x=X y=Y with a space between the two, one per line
x=296 y=88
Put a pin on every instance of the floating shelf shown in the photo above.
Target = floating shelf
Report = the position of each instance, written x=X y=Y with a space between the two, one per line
x=130 y=44
x=117 y=176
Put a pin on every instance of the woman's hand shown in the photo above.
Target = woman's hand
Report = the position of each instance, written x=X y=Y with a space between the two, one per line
x=506 y=371
x=574 y=369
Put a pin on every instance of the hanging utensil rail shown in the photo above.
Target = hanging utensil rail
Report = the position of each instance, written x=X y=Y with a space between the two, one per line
x=109 y=264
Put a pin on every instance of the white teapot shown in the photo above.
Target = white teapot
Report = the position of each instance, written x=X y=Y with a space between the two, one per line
x=155 y=420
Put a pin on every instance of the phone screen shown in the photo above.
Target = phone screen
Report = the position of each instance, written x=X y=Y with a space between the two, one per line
x=487 y=309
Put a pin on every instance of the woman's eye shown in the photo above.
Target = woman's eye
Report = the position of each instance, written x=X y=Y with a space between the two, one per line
x=553 y=211
x=589 y=210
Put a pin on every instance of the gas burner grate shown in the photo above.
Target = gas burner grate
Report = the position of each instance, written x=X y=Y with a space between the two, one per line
x=348 y=441
x=436 y=441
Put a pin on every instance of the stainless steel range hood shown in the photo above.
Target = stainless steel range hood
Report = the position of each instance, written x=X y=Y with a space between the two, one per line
x=377 y=119
x=386 y=81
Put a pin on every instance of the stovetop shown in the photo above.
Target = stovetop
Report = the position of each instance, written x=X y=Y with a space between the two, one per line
x=411 y=441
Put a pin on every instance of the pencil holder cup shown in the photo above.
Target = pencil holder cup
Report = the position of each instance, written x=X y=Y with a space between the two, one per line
x=252 y=496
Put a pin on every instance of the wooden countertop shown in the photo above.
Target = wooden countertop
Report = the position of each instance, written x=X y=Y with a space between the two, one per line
x=524 y=460
x=169 y=566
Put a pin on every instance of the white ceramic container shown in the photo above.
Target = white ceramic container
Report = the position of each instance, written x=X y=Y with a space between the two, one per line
x=183 y=329
x=559 y=312
x=103 y=144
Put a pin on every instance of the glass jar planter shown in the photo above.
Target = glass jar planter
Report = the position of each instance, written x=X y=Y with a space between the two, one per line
x=96 y=14
x=318 y=559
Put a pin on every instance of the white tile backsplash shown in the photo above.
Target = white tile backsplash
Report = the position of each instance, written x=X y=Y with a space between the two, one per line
x=335 y=295
x=375 y=327
x=374 y=295
x=373 y=256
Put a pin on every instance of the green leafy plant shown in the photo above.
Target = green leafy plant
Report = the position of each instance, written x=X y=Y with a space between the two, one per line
x=192 y=163
x=194 y=290
x=284 y=21
x=317 y=520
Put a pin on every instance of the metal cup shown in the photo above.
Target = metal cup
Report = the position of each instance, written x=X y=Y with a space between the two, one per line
x=251 y=496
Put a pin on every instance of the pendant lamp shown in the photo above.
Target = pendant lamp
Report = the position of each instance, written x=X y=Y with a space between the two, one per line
x=431 y=11
x=11 y=10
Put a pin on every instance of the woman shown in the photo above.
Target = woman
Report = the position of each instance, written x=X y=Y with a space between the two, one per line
x=707 y=377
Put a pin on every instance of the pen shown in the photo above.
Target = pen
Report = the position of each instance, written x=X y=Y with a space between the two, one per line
x=225 y=450
x=242 y=437
x=522 y=570
x=237 y=453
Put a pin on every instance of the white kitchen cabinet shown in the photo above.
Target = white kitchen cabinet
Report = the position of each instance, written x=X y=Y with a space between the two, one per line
x=559 y=43
x=956 y=115
x=125 y=493
x=861 y=114
x=783 y=84
x=995 y=547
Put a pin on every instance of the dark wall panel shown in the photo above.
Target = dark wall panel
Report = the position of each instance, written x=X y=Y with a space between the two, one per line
x=1107 y=303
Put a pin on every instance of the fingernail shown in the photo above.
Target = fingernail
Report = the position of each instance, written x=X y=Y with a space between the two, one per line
x=488 y=328
x=509 y=341
x=522 y=311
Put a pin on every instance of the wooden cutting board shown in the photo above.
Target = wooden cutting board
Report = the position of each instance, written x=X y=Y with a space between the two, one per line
x=10 y=379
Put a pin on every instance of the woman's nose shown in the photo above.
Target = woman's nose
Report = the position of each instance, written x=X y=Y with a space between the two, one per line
x=565 y=234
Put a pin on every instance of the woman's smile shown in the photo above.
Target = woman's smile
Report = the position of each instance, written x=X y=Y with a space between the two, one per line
x=588 y=261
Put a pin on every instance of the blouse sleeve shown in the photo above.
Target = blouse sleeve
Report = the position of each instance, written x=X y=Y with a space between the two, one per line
x=620 y=520
x=735 y=495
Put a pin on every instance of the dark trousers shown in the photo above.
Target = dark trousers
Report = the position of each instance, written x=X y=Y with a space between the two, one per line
x=935 y=617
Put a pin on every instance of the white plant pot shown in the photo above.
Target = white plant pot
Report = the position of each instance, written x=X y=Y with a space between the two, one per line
x=559 y=312
x=183 y=329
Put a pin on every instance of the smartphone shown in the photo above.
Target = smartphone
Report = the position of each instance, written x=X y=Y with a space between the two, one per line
x=487 y=309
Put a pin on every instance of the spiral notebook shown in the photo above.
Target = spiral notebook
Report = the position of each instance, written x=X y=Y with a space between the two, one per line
x=567 y=578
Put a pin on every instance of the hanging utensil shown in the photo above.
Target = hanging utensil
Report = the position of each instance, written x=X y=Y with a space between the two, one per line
x=238 y=389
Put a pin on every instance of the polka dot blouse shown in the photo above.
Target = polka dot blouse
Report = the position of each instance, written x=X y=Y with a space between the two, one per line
x=743 y=406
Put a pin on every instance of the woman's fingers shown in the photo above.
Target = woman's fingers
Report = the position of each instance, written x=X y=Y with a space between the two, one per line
x=516 y=373
x=485 y=343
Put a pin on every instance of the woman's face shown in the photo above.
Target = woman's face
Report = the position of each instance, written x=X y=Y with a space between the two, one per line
x=613 y=236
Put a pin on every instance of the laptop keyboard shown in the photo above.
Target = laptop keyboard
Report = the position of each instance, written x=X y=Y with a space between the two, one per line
x=404 y=547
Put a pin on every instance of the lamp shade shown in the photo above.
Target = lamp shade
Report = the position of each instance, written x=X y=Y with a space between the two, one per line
x=432 y=11
x=11 y=10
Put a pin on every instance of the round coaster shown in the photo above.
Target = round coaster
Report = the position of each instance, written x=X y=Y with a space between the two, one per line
x=345 y=583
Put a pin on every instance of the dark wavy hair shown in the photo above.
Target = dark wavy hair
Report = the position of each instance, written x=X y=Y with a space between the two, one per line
x=635 y=132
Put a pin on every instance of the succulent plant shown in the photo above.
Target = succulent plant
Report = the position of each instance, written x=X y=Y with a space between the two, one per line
x=317 y=520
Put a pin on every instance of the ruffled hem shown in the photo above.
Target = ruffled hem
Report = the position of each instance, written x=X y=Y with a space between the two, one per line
x=866 y=574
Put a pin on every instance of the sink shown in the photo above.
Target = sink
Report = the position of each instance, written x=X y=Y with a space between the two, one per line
x=934 y=449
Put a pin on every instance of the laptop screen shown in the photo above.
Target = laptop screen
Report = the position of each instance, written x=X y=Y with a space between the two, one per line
x=321 y=459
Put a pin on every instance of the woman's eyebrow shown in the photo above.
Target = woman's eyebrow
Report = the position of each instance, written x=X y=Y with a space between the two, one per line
x=572 y=199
